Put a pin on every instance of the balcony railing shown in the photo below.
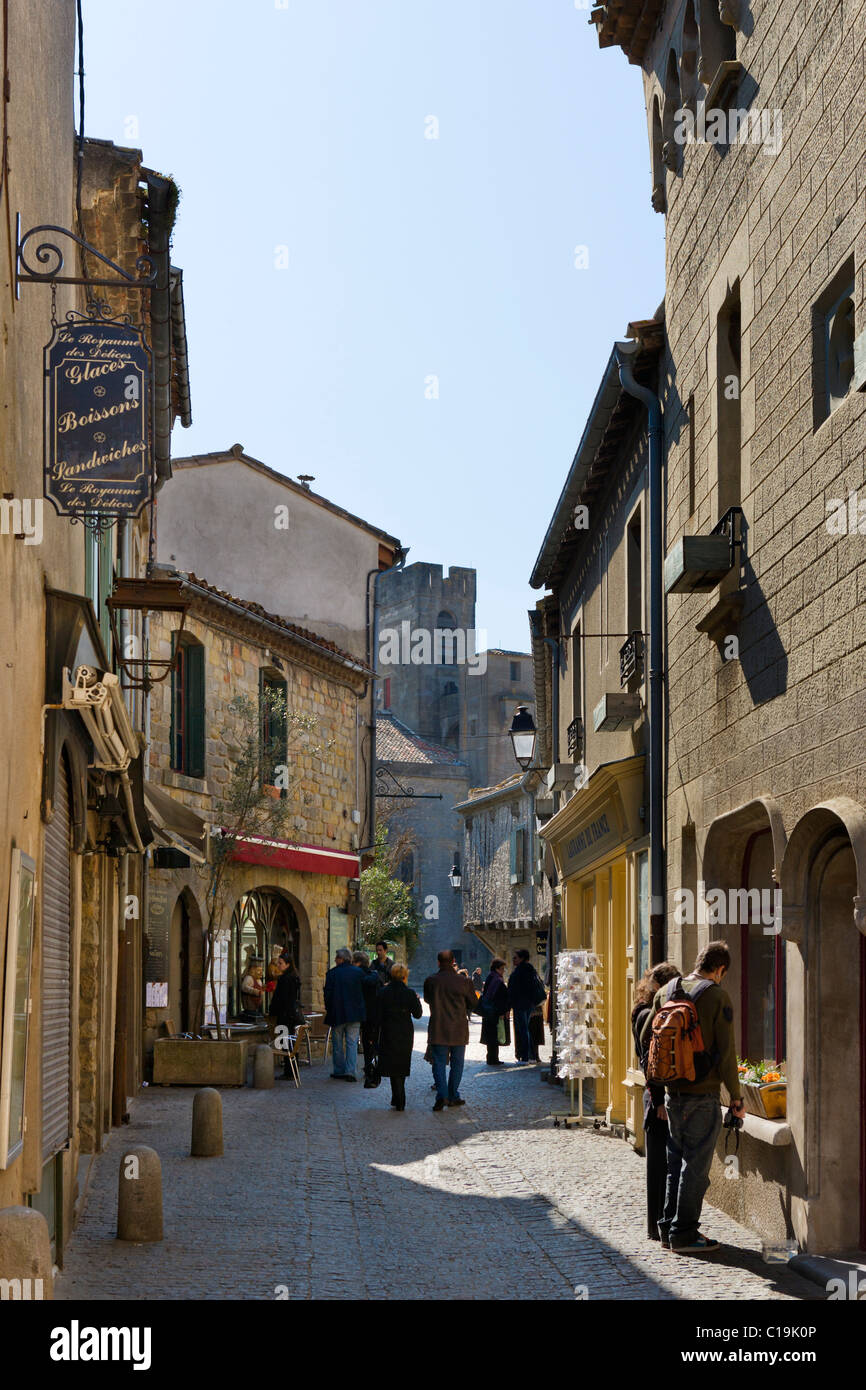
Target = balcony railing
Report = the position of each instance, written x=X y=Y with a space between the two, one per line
x=631 y=658
x=575 y=737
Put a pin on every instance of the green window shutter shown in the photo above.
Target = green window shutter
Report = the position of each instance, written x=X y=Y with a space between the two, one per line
x=106 y=583
x=176 y=758
x=516 y=855
x=195 y=711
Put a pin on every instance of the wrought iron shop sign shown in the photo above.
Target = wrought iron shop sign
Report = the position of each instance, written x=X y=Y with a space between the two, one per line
x=97 y=418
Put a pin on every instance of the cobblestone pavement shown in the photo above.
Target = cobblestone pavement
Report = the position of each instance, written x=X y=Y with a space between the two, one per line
x=327 y=1191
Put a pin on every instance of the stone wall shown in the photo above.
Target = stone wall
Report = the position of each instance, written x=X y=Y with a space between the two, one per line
x=788 y=718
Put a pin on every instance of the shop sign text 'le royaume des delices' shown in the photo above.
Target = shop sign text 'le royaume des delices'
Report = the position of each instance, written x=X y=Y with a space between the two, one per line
x=97 y=419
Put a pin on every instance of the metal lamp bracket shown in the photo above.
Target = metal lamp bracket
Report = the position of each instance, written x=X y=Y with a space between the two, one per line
x=49 y=255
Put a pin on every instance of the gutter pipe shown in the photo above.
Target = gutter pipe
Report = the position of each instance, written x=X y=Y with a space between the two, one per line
x=624 y=351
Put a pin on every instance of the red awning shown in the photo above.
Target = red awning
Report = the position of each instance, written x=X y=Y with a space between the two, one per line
x=310 y=859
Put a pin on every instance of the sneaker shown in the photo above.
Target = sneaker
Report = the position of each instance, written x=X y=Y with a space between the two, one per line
x=439 y=1103
x=457 y=1101
x=701 y=1245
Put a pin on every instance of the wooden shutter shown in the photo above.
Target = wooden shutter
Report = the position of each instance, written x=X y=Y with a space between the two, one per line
x=194 y=696
x=516 y=855
x=56 y=972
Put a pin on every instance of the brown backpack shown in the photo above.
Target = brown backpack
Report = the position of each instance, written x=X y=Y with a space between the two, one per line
x=676 y=1042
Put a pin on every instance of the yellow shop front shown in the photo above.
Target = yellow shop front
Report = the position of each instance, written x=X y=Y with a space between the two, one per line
x=601 y=849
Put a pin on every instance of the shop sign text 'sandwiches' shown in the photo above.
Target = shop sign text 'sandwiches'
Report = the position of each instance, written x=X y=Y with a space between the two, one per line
x=97 y=419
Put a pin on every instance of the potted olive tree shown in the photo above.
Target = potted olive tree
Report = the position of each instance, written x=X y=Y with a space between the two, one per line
x=257 y=800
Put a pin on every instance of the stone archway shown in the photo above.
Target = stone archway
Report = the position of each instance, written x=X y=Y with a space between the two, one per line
x=267 y=919
x=186 y=961
x=824 y=922
x=743 y=855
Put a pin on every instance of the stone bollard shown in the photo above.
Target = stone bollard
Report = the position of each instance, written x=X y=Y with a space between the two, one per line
x=25 y=1254
x=207 y=1124
x=139 y=1195
x=263 y=1069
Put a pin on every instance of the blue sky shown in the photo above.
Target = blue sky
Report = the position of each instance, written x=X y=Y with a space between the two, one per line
x=335 y=259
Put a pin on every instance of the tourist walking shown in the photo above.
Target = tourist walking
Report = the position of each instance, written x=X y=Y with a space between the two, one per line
x=494 y=1010
x=371 y=983
x=655 y=1117
x=452 y=999
x=525 y=990
x=693 y=1106
x=344 y=1013
x=398 y=1005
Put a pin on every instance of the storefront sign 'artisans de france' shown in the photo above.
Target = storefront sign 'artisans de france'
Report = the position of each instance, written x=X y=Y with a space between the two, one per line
x=97 y=419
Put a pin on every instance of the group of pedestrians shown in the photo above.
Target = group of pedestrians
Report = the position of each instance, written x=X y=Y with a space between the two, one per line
x=370 y=1001
x=522 y=996
x=684 y=1036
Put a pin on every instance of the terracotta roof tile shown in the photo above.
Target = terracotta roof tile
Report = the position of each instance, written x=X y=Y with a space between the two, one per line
x=396 y=743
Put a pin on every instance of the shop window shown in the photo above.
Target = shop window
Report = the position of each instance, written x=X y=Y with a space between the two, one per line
x=188 y=708
x=833 y=344
x=643 y=933
x=274 y=732
x=762 y=960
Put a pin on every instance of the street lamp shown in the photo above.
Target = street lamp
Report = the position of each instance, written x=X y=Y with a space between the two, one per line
x=523 y=735
x=455 y=878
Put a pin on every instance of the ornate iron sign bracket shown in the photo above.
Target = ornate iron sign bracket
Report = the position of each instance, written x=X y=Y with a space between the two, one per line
x=48 y=254
x=384 y=778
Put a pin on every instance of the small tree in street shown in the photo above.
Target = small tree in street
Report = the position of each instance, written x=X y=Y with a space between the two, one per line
x=256 y=801
x=387 y=906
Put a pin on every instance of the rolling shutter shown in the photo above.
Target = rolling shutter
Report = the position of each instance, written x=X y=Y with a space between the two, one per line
x=56 y=972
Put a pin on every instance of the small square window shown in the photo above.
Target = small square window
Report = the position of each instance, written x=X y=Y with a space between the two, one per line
x=833 y=344
x=515 y=671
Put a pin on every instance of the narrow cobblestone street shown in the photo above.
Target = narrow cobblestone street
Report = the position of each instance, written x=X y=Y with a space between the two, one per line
x=328 y=1192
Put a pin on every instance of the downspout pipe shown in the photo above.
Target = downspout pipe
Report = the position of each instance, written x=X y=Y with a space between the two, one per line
x=374 y=666
x=624 y=352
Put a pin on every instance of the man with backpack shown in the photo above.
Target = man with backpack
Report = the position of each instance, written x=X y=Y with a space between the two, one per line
x=689 y=1039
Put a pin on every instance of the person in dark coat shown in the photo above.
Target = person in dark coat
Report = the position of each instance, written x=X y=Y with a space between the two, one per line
x=345 y=1011
x=525 y=990
x=398 y=1005
x=371 y=983
x=494 y=1006
x=655 y=1120
x=286 y=1003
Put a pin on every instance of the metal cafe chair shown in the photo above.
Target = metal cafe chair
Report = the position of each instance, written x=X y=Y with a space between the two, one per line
x=291 y=1054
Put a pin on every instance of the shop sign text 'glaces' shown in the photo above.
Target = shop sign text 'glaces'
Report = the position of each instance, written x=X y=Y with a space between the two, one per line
x=97 y=419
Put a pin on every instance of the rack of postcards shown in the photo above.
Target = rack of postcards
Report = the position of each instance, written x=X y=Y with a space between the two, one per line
x=579 y=1015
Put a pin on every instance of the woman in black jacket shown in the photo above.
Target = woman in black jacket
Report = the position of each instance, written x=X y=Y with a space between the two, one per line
x=655 y=1120
x=494 y=1006
x=398 y=1005
x=286 y=1001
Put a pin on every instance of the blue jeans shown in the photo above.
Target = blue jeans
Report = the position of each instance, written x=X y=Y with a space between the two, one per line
x=522 y=1047
x=344 y=1038
x=693 y=1128
x=440 y=1051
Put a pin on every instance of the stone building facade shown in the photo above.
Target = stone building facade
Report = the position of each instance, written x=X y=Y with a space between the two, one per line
x=74 y=830
x=589 y=647
x=765 y=426
x=507 y=900
x=291 y=892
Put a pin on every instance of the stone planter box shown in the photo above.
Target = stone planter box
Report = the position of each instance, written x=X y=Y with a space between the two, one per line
x=182 y=1062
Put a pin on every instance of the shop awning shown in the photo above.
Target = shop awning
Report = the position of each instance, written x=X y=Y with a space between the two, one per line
x=176 y=825
x=282 y=854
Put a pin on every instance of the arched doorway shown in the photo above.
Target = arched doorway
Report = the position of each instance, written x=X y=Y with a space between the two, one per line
x=264 y=924
x=186 y=962
x=823 y=876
